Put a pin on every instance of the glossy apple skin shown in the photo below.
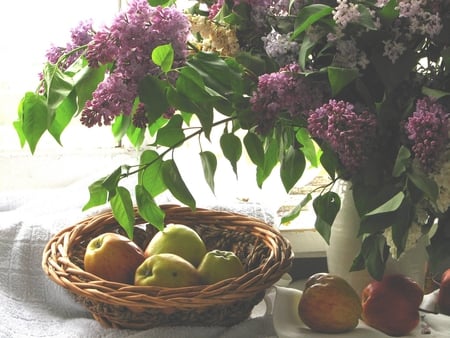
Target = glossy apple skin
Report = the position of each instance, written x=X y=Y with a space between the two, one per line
x=444 y=293
x=180 y=240
x=329 y=304
x=392 y=304
x=218 y=265
x=166 y=270
x=113 y=257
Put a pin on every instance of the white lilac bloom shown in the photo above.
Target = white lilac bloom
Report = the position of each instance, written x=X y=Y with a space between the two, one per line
x=393 y=49
x=345 y=13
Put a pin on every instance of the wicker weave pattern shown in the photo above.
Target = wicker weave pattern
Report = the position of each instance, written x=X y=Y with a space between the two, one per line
x=265 y=253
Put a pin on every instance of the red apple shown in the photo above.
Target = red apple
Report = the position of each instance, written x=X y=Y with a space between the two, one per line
x=392 y=304
x=113 y=257
x=444 y=293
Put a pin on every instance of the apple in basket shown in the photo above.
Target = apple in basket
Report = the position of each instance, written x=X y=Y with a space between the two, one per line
x=178 y=239
x=113 y=257
x=392 y=304
x=218 y=265
x=166 y=270
x=329 y=304
x=444 y=293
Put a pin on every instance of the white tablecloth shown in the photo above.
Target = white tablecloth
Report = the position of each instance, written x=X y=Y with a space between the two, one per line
x=31 y=305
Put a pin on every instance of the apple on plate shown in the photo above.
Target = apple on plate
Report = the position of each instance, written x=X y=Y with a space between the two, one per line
x=166 y=270
x=391 y=305
x=178 y=239
x=113 y=257
x=329 y=304
x=218 y=265
x=444 y=293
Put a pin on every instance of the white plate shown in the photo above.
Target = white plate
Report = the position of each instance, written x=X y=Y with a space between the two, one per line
x=288 y=324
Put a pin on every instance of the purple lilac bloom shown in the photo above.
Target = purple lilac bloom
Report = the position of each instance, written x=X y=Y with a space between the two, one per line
x=282 y=91
x=111 y=98
x=214 y=9
x=80 y=36
x=349 y=134
x=129 y=43
x=428 y=129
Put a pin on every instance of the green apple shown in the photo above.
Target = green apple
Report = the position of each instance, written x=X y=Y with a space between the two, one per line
x=218 y=265
x=113 y=257
x=166 y=270
x=180 y=240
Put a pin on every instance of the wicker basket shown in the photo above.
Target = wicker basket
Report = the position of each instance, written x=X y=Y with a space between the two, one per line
x=265 y=253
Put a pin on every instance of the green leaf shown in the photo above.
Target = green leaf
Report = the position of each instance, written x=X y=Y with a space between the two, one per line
x=209 y=163
x=62 y=117
x=401 y=162
x=151 y=176
x=425 y=184
x=171 y=135
x=58 y=85
x=309 y=15
x=308 y=146
x=34 y=116
x=18 y=126
x=120 y=126
x=254 y=148
x=190 y=84
x=437 y=94
x=292 y=167
x=329 y=161
x=374 y=251
x=136 y=135
x=174 y=182
x=148 y=209
x=217 y=74
x=339 y=78
x=163 y=56
x=293 y=214
x=404 y=216
x=111 y=181
x=163 y=3
x=98 y=194
x=390 y=205
x=85 y=82
x=123 y=211
x=232 y=149
x=152 y=92
x=270 y=161
x=326 y=207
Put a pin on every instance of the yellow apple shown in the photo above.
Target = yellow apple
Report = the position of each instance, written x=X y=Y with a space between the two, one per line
x=218 y=265
x=180 y=240
x=113 y=257
x=166 y=270
x=329 y=304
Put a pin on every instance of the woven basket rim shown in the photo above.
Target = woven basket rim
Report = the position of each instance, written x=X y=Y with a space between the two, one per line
x=57 y=264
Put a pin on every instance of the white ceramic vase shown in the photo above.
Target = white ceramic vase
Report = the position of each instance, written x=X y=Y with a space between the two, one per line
x=345 y=246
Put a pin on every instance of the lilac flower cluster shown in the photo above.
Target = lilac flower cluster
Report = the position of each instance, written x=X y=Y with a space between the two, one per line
x=282 y=91
x=128 y=43
x=351 y=135
x=80 y=36
x=281 y=48
x=428 y=129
